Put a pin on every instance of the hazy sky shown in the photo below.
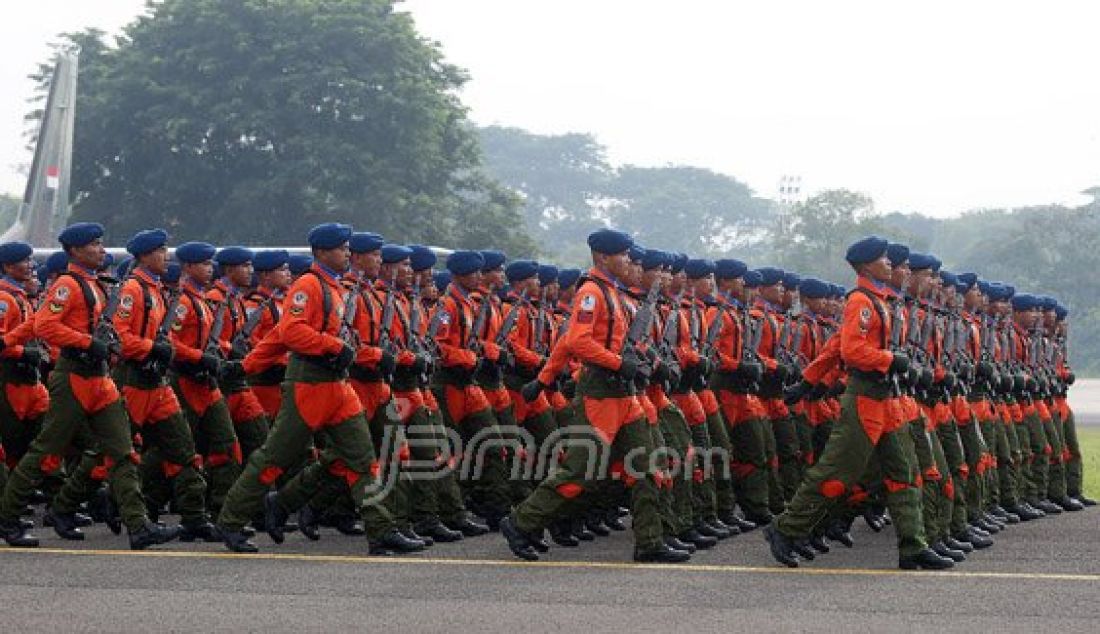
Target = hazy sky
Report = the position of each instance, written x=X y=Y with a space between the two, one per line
x=932 y=107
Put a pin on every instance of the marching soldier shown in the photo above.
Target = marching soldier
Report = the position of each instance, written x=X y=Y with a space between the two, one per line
x=82 y=396
x=597 y=335
x=316 y=399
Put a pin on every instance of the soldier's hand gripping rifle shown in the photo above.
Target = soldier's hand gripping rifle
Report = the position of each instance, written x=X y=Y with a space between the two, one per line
x=157 y=364
x=634 y=363
x=242 y=341
x=506 y=328
x=104 y=329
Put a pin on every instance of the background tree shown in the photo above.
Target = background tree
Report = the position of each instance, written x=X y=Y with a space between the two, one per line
x=251 y=120
x=812 y=236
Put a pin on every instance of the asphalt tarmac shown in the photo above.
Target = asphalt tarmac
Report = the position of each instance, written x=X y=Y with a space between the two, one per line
x=1040 y=575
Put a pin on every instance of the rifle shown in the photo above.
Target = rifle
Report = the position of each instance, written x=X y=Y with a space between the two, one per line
x=152 y=365
x=347 y=330
x=540 y=325
x=385 y=331
x=473 y=342
x=895 y=342
x=642 y=325
x=105 y=326
x=242 y=340
x=510 y=321
x=213 y=343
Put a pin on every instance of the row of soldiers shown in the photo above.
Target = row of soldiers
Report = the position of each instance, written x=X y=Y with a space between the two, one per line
x=360 y=389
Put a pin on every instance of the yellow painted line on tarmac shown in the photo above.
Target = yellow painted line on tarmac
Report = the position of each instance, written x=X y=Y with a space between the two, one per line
x=569 y=565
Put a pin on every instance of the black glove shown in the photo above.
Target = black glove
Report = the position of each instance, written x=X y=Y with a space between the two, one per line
x=32 y=355
x=1070 y=378
x=837 y=390
x=795 y=393
x=99 y=349
x=386 y=365
x=422 y=362
x=819 y=392
x=705 y=366
x=211 y=363
x=232 y=371
x=661 y=373
x=161 y=351
x=900 y=364
x=927 y=378
x=751 y=371
x=949 y=381
x=343 y=360
x=506 y=358
x=569 y=389
x=530 y=391
x=781 y=373
x=629 y=367
x=985 y=369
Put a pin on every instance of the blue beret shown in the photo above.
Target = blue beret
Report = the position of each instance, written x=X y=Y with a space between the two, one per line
x=365 y=242
x=548 y=274
x=753 y=279
x=984 y=287
x=233 y=256
x=867 y=250
x=1061 y=312
x=936 y=263
x=80 y=234
x=329 y=235
x=812 y=288
x=57 y=262
x=12 y=252
x=636 y=253
x=655 y=259
x=1009 y=291
x=299 y=263
x=698 y=268
x=519 y=270
x=568 y=277
x=791 y=280
x=609 y=241
x=492 y=260
x=394 y=253
x=195 y=252
x=897 y=253
x=729 y=269
x=1024 y=301
x=948 y=278
x=1001 y=293
x=1046 y=302
x=172 y=275
x=921 y=261
x=839 y=291
x=966 y=279
x=125 y=265
x=679 y=260
x=441 y=279
x=422 y=257
x=147 y=241
x=465 y=262
x=770 y=276
x=270 y=260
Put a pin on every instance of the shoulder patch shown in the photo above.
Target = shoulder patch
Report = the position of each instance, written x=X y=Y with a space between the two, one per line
x=588 y=302
x=126 y=302
x=56 y=308
x=61 y=294
x=299 y=298
x=3 y=307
